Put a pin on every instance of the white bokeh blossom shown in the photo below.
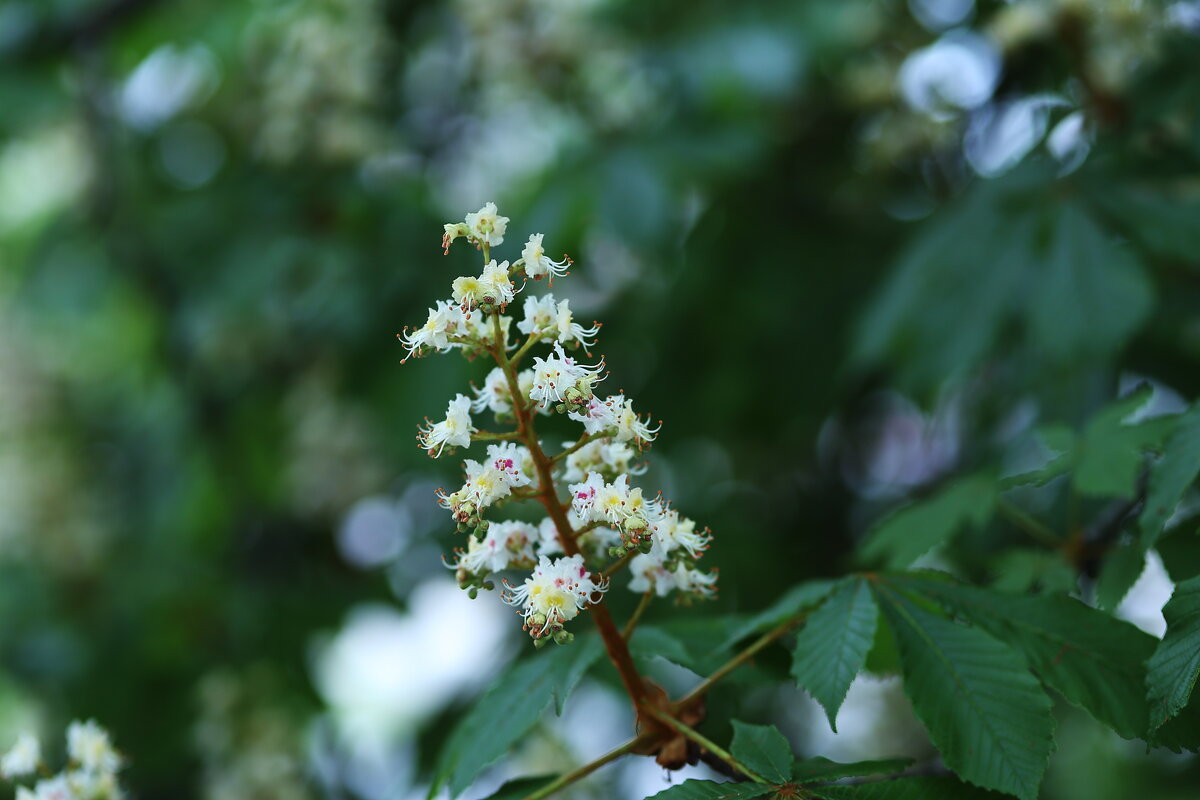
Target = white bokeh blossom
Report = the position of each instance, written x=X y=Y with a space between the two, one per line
x=22 y=758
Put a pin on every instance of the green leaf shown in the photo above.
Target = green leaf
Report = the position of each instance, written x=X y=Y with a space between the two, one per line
x=707 y=790
x=1095 y=661
x=797 y=599
x=1059 y=443
x=1119 y=572
x=763 y=749
x=1111 y=452
x=587 y=650
x=1171 y=475
x=815 y=770
x=984 y=711
x=906 y=535
x=520 y=788
x=908 y=789
x=1175 y=665
x=1182 y=731
x=509 y=709
x=1032 y=570
x=1180 y=552
x=1091 y=294
x=832 y=647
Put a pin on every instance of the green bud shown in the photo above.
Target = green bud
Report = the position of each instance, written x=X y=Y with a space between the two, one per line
x=540 y=643
x=483 y=526
x=489 y=585
x=645 y=547
x=538 y=620
x=563 y=637
x=472 y=593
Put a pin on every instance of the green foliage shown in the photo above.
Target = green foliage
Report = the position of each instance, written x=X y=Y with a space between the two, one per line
x=512 y=705
x=813 y=770
x=833 y=645
x=911 y=532
x=1171 y=475
x=520 y=788
x=909 y=789
x=986 y=714
x=798 y=598
x=707 y=790
x=763 y=749
x=1175 y=664
x=1093 y=660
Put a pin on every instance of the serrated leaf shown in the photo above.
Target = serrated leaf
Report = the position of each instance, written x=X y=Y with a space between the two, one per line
x=520 y=788
x=512 y=706
x=1175 y=665
x=1094 y=660
x=1091 y=294
x=707 y=790
x=1182 y=731
x=985 y=712
x=1118 y=573
x=833 y=645
x=908 y=789
x=1111 y=451
x=763 y=749
x=1171 y=475
x=797 y=599
x=819 y=770
x=909 y=533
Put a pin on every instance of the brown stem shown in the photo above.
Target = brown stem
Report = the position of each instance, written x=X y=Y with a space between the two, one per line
x=618 y=651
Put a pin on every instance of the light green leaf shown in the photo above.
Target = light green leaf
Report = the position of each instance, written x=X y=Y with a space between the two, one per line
x=763 y=749
x=987 y=715
x=1092 y=659
x=906 y=535
x=707 y=790
x=520 y=788
x=1091 y=295
x=816 y=770
x=1171 y=475
x=587 y=650
x=1175 y=665
x=1059 y=444
x=798 y=598
x=832 y=647
x=513 y=705
x=908 y=789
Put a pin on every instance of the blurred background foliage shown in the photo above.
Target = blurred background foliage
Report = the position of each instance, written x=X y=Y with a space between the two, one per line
x=846 y=248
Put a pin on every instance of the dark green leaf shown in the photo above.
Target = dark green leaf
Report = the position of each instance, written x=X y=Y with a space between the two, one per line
x=587 y=650
x=912 y=531
x=983 y=709
x=1171 y=475
x=520 y=788
x=908 y=789
x=1092 y=293
x=1093 y=660
x=797 y=599
x=1175 y=665
x=763 y=749
x=512 y=706
x=832 y=647
x=1180 y=552
x=1059 y=443
x=815 y=770
x=707 y=790
x=1119 y=572
x=1030 y=570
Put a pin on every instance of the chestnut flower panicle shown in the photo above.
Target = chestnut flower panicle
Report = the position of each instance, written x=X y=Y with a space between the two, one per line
x=606 y=522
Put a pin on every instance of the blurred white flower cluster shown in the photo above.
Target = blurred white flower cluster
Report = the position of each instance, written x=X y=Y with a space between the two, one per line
x=90 y=773
x=604 y=523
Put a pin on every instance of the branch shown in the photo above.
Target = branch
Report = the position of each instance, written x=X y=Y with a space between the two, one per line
x=707 y=744
x=588 y=769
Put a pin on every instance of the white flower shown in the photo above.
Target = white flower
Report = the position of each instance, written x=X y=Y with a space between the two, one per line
x=511 y=460
x=483 y=329
x=23 y=758
x=506 y=544
x=484 y=485
x=486 y=225
x=55 y=788
x=444 y=319
x=611 y=458
x=540 y=315
x=86 y=785
x=88 y=745
x=629 y=426
x=455 y=430
x=537 y=265
x=453 y=230
x=494 y=395
x=584 y=494
x=525 y=384
x=555 y=593
x=673 y=532
x=597 y=539
x=492 y=287
x=649 y=572
x=553 y=376
x=597 y=416
x=569 y=330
